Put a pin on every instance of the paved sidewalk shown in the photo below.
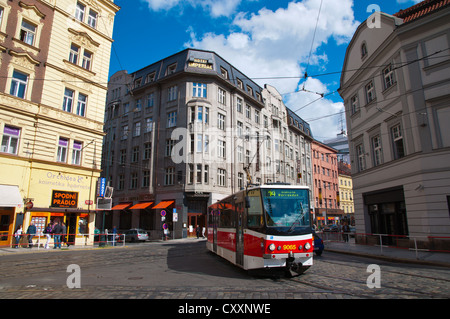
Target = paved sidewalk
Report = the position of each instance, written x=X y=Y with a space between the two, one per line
x=389 y=253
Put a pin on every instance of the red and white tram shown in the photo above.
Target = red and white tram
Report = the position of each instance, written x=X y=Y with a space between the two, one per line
x=266 y=226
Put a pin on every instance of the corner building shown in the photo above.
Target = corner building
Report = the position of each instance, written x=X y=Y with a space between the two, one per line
x=395 y=84
x=54 y=58
x=189 y=130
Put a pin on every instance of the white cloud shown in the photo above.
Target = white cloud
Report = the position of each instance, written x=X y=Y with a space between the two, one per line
x=216 y=8
x=270 y=44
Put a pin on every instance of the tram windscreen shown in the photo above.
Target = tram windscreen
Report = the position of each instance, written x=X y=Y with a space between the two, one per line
x=286 y=207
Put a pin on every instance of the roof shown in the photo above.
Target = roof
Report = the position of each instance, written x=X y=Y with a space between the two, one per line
x=421 y=9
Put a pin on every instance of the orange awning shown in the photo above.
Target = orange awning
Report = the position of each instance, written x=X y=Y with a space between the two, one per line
x=164 y=204
x=141 y=205
x=121 y=206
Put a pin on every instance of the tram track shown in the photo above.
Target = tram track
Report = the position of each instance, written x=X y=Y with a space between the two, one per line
x=394 y=283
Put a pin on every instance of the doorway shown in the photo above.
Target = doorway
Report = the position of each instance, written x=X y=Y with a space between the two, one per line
x=71 y=224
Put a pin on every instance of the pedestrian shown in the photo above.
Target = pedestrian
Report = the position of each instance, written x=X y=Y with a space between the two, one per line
x=64 y=232
x=198 y=230
x=48 y=234
x=57 y=231
x=31 y=232
x=346 y=230
x=17 y=235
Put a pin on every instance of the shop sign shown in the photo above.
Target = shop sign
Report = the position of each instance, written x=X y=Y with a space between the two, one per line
x=64 y=199
x=200 y=63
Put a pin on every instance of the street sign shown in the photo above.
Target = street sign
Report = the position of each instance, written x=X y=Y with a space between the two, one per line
x=175 y=217
x=163 y=213
x=101 y=187
x=104 y=203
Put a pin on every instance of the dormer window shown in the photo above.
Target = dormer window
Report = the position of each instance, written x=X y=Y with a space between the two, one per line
x=171 y=69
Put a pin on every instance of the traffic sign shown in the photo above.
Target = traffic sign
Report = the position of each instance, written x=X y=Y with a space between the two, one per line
x=163 y=213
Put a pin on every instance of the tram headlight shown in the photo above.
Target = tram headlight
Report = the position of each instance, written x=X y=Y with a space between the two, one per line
x=272 y=247
x=307 y=246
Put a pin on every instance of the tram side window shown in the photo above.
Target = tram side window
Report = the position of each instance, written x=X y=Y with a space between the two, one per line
x=255 y=212
x=227 y=213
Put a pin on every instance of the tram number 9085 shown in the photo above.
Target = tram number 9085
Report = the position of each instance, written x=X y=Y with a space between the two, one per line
x=289 y=247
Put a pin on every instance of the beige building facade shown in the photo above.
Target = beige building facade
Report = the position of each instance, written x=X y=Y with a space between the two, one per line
x=54 y=65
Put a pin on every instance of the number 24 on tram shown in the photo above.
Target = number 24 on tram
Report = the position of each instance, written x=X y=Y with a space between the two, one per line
x=266 y=226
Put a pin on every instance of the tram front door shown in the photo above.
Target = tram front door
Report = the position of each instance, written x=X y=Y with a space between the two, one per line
x=240 y=234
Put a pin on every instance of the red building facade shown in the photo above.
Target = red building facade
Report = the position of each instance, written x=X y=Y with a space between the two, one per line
x=326 y=185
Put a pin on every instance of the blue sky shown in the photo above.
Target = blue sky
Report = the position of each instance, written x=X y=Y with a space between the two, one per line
x=268 y=40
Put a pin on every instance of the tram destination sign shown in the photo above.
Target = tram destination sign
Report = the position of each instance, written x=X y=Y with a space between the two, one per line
x=64 y=199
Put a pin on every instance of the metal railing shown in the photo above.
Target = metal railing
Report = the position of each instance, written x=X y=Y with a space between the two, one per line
x=46 y=241
x=412 y=243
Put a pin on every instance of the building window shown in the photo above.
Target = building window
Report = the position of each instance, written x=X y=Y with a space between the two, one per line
x=87 y=60
x=199 y=173
x=147 y=150
x=79 y=11
x=363 y=50
x=19 y=84
x=74 y=52
x=81 y=106
x=354 y=104
x=76 y=153
x=135 y=155
x=169 y=147
x=239 y=105
x=27 y=32
x=148 y=124
x=137 y=129
x=397 y=142
x=388 y=76
x=221 y=121
x=121 y=182
x=171 y=119
x=221 y=148
x=221 y=96
x=169 y=176
x=377 y=152
x=68 y=100
x=240 y=180
x=199 y=90
x=124 y=132
x=370 y=92
x=62 y=150
x=248 y=111
x=134 y=180
x=221 y=177
x=10 y=140
x=146 y=178
x=92 y=18
x=256 y=116
x=172 y=93
x=171 y=69
x=123 y=157
x=206 y=174
x=361 y=157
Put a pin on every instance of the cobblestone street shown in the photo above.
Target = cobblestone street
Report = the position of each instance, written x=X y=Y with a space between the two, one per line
x=188 y=271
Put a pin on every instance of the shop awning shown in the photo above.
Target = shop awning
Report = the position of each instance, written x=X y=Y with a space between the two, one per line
x=141 y=205
x=10 y=196
x=121 y=206
x=163 y=204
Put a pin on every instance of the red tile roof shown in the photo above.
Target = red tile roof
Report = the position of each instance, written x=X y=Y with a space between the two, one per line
x=421 y=9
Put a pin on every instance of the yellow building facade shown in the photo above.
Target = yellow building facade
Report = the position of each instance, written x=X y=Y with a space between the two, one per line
x=52 y=99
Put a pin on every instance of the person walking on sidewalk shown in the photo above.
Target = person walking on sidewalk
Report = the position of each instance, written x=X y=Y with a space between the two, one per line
x=17 y=235
x=57 y=231
x=31 y=232
x=48 y=234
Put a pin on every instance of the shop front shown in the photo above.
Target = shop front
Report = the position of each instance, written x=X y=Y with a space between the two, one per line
x=11 y=202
